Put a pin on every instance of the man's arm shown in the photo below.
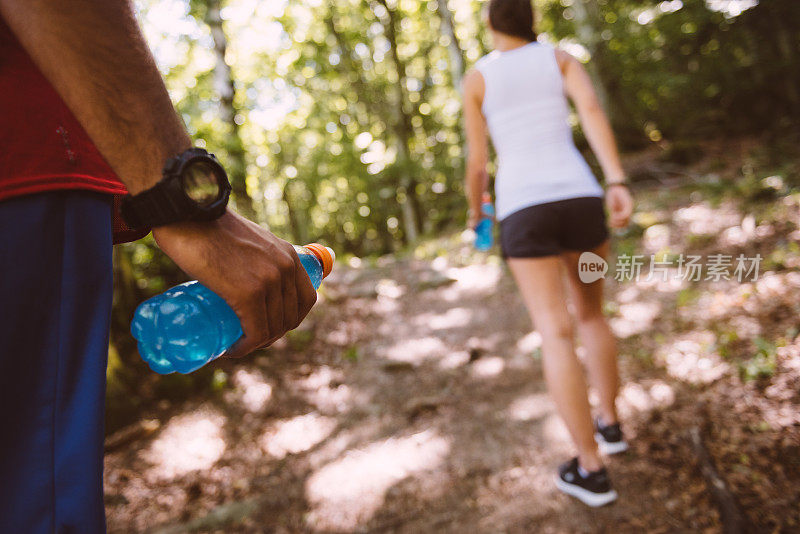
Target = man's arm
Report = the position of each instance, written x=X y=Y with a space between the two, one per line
x=95 y=56
x=93 y=53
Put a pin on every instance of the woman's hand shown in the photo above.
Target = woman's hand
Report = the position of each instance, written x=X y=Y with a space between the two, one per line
x=474 y=216
x=620 y=205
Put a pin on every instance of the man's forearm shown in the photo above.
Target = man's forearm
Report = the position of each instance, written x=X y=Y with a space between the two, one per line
x=95 y=56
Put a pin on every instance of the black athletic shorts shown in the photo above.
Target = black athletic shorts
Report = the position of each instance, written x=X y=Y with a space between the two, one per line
x=575 y=224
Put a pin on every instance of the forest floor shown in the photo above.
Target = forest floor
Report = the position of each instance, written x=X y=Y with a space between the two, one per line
x=412 y=399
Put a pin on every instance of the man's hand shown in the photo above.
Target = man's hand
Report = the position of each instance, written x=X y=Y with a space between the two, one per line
x=258 y=275
x=620 y=205
x=94 y=55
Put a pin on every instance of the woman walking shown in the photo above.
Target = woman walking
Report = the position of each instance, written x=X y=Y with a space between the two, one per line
x=550 y=208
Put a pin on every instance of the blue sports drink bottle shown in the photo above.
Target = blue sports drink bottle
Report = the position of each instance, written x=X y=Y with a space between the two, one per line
x=484 y=238
x=189 y=325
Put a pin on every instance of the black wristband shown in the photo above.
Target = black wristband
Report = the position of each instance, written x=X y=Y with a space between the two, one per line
x=168 y=202
x=154 y=207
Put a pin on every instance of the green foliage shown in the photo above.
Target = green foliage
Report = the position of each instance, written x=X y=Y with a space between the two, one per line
x=781 y=256
x=700 y=241
x=300 y=339
x=610 y=308
x=626 y=244
x=345 y=124
x=763 y=364
x=680 y=70
x=682 y=152
x=725 y=342
x=687 y=296
x=327 y=106
x=791 y=333
x=219 y=381
x=177 y=387
x=121 y=406
x=644 y=355
x=352 y=354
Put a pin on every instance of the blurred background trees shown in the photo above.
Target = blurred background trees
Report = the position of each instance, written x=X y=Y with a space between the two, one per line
x=339 y=121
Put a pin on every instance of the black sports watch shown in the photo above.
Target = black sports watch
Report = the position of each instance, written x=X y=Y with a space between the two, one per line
x=195 y=187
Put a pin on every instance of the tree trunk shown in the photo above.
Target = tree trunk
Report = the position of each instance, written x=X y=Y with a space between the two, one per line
x=348 y=65
x=298 y=224
x=225 y=87
x=403 y=131
x=587 y=29
x=783 y=39
x=456 y=53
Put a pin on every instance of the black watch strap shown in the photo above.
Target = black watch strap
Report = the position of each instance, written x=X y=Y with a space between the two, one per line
x=153 y=207
x=167 y=202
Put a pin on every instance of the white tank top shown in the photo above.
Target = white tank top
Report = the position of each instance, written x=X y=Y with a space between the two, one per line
x=526 y=111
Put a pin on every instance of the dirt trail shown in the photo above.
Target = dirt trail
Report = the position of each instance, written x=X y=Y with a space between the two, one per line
x=412 y=401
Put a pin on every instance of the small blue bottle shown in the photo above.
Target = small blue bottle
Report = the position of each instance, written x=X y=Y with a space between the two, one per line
x=484 y=238
x=189 y=325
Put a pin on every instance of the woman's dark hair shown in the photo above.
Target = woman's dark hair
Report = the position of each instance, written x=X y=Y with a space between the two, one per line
x=512 y=17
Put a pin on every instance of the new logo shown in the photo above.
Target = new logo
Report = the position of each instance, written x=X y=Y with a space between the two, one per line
x=591 y=267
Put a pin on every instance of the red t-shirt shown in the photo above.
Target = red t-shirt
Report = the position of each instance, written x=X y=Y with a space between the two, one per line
x=42 y=145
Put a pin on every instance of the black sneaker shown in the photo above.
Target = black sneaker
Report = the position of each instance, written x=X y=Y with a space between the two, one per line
x=609 y=438
x=593 y=490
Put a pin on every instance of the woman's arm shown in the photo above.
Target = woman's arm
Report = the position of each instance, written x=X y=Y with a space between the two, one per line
x=579 y=88
x=477 y=179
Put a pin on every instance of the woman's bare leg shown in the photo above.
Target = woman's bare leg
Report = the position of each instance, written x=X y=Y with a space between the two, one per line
x=595 y=334
x=540 y=282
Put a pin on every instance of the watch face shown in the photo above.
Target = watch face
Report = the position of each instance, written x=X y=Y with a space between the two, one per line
x=201 y=182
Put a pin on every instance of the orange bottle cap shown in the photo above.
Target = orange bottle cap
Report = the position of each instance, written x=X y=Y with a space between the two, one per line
x=325 y=255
